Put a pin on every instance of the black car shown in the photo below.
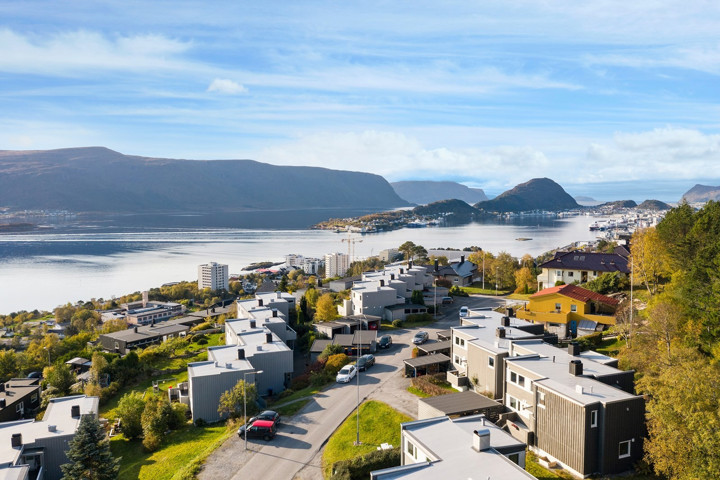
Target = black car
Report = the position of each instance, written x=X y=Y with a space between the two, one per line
x=264 y=429
x=365 y=362
x=385 y=341
x=267 y=415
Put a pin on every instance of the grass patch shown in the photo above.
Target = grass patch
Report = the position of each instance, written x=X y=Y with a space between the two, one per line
x=476 y=289
x=305 y=392
x=611 y=346
x=293 y=408
x=534 y=468
x=379 y=423
x=418 y=392
x=108 y=409
x=183 y=452
x=519 y=296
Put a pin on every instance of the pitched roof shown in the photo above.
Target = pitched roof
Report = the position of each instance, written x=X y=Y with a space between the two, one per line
x=578 y=293
x=599 y=262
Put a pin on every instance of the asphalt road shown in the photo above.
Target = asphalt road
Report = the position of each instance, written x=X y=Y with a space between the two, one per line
x=300 y=438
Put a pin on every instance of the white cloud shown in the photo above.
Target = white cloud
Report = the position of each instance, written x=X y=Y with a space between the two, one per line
x=226 y=86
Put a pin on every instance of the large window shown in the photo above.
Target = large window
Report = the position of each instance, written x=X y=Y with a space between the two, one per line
x=624 y=449
x=573 y=308
x=517 y=379
x=460 y=342
x=491 y=362
x=411 y=449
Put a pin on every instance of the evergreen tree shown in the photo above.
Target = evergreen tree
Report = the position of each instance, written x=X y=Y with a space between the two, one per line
x=89 y=454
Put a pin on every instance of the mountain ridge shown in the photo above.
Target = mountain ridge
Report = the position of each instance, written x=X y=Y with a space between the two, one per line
x=423 y=192
x=535 y=194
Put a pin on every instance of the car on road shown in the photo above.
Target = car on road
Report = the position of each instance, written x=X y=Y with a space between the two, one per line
x=266 y=415
x=464 y=311
x=365 y=362
x=420 y=337
x=346 y=374
x=264 y=429
x=385 y=341
x=447 y=300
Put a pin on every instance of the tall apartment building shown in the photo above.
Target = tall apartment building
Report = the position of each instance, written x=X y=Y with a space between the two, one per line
x=213 y=276
x=336 y=264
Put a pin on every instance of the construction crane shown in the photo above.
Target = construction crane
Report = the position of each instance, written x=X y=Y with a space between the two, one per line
x=351 y=241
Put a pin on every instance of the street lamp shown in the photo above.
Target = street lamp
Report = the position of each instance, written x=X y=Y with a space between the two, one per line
x=435 y=303
x=357 y=374
x=245 y=399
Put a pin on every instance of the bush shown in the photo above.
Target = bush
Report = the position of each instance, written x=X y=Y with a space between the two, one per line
x=419 y=317
x=300 y=382
x=359 y=468
x=425 y=385
x=318 y=379
x=335 y=363
x=179 y=415
x=456 y=291
x=397 y=323
x=590 y=341
x=330 y=350
x=201 y=326
x=414 y=352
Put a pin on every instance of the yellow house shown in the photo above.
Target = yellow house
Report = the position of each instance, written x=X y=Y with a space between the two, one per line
x=569 y=309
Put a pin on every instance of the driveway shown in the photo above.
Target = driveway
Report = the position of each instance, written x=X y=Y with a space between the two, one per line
x=297 y=449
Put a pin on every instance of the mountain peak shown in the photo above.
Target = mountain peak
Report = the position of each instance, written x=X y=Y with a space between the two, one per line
x=535 y=194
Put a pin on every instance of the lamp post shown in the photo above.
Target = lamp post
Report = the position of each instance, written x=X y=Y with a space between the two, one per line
x=245 y=399
x=357 y=374
x=435 y=303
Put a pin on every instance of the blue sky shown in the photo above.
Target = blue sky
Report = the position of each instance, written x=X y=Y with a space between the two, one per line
x=487 y=93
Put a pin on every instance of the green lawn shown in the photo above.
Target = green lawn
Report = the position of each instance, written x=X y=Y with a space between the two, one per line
x=519 y=296
x=418 y=392
x=542 y=473
x=379 y=423
x=180 y=456
x=107 y=410
x=476 y=289
x=611 y=346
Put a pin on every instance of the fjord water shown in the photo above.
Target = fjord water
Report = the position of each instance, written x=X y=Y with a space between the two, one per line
x=45 y=269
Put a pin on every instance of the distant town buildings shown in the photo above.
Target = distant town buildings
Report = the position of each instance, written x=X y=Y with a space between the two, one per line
x=336 y=264
x=213 y=276
x=309 y=265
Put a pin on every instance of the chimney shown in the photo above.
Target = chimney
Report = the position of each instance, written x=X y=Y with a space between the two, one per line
x=145 y=298
x=274 y=312
x=392 y=276
x=241 y=354
x=279 y=294
x=481 y=439
x=462 y=259
x=253 y=324
x=573 y=349
x=3 y=403
x=260 y=302
x=382 y=283
x=579 y=389
x=500 y=332
x=510 y=312
x=228 y=365
x=576 y=367
x=52 y=428
x=152 y=322
x=135 y=329
x=505 y=321
x=437 y=263
x=75 y=411
x=16 y=440
x=268 y=338
x=2 y=387
x=410 y=264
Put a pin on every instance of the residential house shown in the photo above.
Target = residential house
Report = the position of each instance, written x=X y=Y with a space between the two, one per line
x=580 y=267
x=568 y=309
x=19 y=398
x=460 y=273
x=125 y=340
x=31 y=449
x=468 y=447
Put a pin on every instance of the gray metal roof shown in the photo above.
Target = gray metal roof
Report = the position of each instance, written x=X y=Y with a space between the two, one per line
x=458 y=403
x=434 y=347
x=426 y=360
x=146 y=333
x=319 y=345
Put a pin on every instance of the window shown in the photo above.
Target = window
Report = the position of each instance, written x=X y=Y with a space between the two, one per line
x=558 y=306
x=517 y=379
x=573 y=308
x=19 y=407
x=570 y=274
x=411 y=449
x=491 y=362
x=515 y=458
x=513 y=402
x=593 y=419
x=558 y=273
x=624 y=449
x=33 y=399
x=541 y=399
x=460 y=342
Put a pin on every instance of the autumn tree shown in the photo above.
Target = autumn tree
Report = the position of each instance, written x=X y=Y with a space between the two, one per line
x=155 y=419
x=325 y=309
x=504 y=268
x=525 y=281
x=129 y=410
x=234 y=401
x=9 y=367
x=648 y=258
x=60 y=377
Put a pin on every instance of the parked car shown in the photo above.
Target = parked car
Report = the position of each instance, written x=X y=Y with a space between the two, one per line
x=346 y=374
x=267 y=415
x=464 y=311
x=420 y=337
x=264 y=429
x=365 y=362
x=385 y=341
x=447 y=300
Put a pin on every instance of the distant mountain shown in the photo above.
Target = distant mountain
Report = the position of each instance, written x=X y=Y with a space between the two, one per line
x=581 y=198
x=424 y=192
x=99 y=180
x=653 y=205
x=536 y=194
x=617 y=204
x=702 y=193
x=454 y=207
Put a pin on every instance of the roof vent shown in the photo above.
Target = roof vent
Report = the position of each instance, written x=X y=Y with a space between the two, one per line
x=75 y=411
x=462 y=259
x=576 y=367
x=259 y=348
x=268 y=338
x=241 y=353
x=260 y=302
x=500 y=332
x=481 y=439
x=573 y=349
x=253 y=324
x=274 y=312
x=52 y=428
x=228 y=365
x=579 y=389
x=505 y=321
x=16 y=440
x=135 y=329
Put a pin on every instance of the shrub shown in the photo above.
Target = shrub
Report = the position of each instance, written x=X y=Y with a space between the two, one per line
x=335 y=363
x=201 y=326
x=414 y=352
x=419 y=317
x=330 y=350
x=179 y=415
x=359 y=468
x=300 y=382
x=397 y=323
x=456 y=291
x=426 y=386
x=318 y=379
x=590 y=341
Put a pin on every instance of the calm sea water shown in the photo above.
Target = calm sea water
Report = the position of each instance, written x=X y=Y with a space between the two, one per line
x=45 y=269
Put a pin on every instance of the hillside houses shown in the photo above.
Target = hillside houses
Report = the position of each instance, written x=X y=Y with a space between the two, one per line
x=581 y=267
